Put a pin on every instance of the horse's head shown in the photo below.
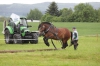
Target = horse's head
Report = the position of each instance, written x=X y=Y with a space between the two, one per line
x=44 y=27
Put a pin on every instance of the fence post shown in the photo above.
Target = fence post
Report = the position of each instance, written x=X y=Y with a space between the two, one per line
x=4 y=26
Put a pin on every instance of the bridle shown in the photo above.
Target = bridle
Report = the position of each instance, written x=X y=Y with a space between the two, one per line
x=46 y=31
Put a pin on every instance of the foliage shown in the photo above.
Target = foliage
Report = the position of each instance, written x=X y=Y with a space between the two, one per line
x=53 y=9
x=82 y=12
x=47 y=18
x=3 y=18
x=65 y=14
x=34 y=14
x=97 y=17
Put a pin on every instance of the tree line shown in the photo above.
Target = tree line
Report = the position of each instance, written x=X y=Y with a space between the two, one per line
x=82 y=12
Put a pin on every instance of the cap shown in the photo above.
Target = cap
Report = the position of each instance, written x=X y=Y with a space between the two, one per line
x=74 y=28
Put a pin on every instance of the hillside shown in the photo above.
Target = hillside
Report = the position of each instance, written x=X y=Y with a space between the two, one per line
x=23 y=9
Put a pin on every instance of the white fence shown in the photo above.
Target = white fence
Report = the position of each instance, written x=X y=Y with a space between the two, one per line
x=33 y=20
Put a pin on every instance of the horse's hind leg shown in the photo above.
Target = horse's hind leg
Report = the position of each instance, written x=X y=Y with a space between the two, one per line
x=46 y=41
x=65 y=44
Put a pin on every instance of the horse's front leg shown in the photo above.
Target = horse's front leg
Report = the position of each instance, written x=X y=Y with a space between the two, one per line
x=46 y=41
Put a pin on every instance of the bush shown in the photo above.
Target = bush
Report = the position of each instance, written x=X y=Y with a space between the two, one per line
x=2 y=19
x=56 y=19
x=47 y=18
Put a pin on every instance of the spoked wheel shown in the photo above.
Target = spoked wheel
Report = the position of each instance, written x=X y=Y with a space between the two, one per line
x=17 y=38
x=8 y=37
x=35 y=38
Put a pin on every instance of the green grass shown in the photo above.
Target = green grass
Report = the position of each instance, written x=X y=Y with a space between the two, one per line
x=87 y=54
x=83 y=28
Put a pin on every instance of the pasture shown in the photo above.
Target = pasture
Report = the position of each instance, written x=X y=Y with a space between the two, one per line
x=87 y=54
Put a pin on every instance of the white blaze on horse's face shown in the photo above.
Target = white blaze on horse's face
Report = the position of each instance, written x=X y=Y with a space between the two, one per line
x=41 y=29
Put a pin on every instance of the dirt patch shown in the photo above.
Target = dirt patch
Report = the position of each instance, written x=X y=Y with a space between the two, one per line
x=15 y=51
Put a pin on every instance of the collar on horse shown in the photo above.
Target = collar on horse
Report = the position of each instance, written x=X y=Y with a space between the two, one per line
x=55 y=32
x=48 y=29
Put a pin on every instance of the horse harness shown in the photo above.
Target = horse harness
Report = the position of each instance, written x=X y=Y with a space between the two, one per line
x=54 y=33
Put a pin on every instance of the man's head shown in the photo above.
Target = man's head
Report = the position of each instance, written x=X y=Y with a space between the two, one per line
x=74 y=28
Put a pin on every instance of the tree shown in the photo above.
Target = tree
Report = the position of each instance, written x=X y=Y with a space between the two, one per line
x=84 y=12
x=89 y=13
x=34 y=14
x=53 y=9
x=66 y=13
x=47 y=18
x=98 y=15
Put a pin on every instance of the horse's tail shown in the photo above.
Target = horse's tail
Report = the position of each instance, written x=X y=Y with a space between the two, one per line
x=71 y=35
x=71 y=42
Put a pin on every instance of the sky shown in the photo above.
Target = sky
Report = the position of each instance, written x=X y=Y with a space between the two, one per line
x=41 y=1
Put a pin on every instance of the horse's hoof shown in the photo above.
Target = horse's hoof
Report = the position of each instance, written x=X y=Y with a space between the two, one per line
x=62 y=47
x=48 y=44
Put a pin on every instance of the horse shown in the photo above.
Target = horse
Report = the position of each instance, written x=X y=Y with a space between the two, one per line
x=49 y=31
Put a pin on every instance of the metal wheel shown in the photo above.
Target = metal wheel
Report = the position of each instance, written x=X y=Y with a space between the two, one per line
x=17 y=39
x=35 y=38
x=8 y=37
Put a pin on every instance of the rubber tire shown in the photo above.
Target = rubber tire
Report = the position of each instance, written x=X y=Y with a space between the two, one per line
x=17 y=39
x=34 y=36
x=8 y=37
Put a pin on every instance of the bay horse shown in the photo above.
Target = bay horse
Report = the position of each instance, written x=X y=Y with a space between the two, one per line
x=49 y=31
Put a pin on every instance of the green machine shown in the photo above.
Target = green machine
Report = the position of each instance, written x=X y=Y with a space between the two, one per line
x=17 y=32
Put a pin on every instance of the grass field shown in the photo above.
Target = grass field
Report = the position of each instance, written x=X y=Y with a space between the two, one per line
x=83 y=28
x=87 y=54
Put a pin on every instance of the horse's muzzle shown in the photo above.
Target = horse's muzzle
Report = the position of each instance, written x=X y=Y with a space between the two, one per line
x=41 y=33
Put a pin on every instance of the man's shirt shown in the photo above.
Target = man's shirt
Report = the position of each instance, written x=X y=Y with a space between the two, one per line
x=75 y=35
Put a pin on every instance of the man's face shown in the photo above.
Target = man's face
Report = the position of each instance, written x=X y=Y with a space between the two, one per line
x=73 y=29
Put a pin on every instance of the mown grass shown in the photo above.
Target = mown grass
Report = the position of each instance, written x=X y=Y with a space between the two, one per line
x=83 y=28
x=87 y=54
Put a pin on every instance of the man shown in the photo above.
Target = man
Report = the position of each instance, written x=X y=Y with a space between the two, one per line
x=74 y=38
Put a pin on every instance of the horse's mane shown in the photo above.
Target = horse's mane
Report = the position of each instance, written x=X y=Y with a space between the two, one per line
x=44 y=23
